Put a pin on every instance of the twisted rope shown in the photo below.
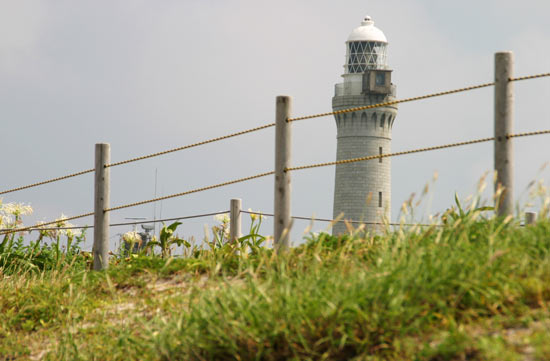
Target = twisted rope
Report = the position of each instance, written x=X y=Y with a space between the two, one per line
x=190 y=145
x=527 y=134
x=334 y=220
x=39 y=226
x=528 y=77
x=345 y=161
x=47 y=181
x=432 y=95
x=139 y=158
x=191 y=191
x=393 y=102
x=387 y=155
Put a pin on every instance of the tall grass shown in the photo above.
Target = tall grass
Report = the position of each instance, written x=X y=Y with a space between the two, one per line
x=425 y=293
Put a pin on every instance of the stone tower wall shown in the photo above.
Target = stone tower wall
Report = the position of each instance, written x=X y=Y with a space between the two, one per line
x=358 y=185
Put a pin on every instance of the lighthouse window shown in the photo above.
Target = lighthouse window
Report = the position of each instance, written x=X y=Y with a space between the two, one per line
x=379 y=199
x=381 y=152
x=373 y=117
x=363 y=55
x=380 y=79
x=382 y=119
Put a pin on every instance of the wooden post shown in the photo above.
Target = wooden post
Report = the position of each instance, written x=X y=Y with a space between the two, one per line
x=530 y=218
x=235 y=220
x=282 y=221
x=504 y=123
x=101 y=202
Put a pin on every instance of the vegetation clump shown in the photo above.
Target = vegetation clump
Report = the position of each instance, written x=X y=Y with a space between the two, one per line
x=473 y=287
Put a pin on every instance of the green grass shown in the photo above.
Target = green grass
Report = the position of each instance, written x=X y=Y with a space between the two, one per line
x=475 y=289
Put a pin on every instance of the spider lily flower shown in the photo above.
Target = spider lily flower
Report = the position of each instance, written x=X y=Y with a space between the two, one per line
x=254 y=216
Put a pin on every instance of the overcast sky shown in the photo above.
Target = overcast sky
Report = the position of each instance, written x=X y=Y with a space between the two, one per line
x=146 y=76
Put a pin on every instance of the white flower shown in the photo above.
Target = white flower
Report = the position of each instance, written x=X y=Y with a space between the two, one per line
x=61 y=222
x=71 y=233
x=254 y=216
x=16 y=209
x=6 y=221
x=222 y=218
x=131 y=237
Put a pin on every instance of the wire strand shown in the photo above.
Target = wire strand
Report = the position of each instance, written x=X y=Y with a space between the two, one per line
x=393 y=102
x=527 y=134
x=345 y=161
x=47 y=181
x=421 y=97
x=387 y=155
x=190 y=145
x=139 y=158
x=191 y=191
x=128 y=223
x=337 y=221
x=39 y=226
x=528 y=77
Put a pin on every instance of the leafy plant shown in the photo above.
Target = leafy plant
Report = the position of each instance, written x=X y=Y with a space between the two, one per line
x=167 y=239
x=253 y=239
x=472 y=213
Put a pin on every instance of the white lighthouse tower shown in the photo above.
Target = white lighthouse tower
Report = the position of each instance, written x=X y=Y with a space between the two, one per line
x=362 y=190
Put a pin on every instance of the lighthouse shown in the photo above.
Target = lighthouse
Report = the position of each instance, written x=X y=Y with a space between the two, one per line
x=362 y=190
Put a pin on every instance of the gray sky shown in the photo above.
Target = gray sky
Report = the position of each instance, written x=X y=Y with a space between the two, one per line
x=151 y=75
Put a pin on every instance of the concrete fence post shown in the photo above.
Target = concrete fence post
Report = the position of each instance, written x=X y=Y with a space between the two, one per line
x=504 y=124
x=283 y=135
x=101 y=202
x=530 y=218
x=235 y=220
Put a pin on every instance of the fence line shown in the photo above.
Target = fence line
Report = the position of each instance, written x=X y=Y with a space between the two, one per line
x=528 y=77
x=527 y=134
x=191 y=145
x=388 y=155
x=40 y=228
x=47 y=181
x=140 y=158
x=336 y=220
x=421 y=97
x=419 y=150
x=393 y=102
x=503 y=106
x=189 y=192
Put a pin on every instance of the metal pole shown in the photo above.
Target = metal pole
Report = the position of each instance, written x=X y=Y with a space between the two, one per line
x=101 y=202
x=282 y=221
x=530 y=218
x=235 y=220
x=504 y=123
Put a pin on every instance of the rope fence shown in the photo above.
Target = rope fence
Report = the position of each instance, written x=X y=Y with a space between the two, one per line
x=240 y=180
x=328 y=220
x=393 y=102
x=47 y=181
x=529 y=77
x=265 y=126
x=140 y=158
x=40 y=228
x=190 y=192
x=283 y=120
x=191 y=145
x=421 y=97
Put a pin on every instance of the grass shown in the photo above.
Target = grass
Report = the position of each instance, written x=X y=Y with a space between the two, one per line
x=475 y=289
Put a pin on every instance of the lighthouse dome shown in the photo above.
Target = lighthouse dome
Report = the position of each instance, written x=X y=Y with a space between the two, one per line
x=367 y=32
x=366 y=48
